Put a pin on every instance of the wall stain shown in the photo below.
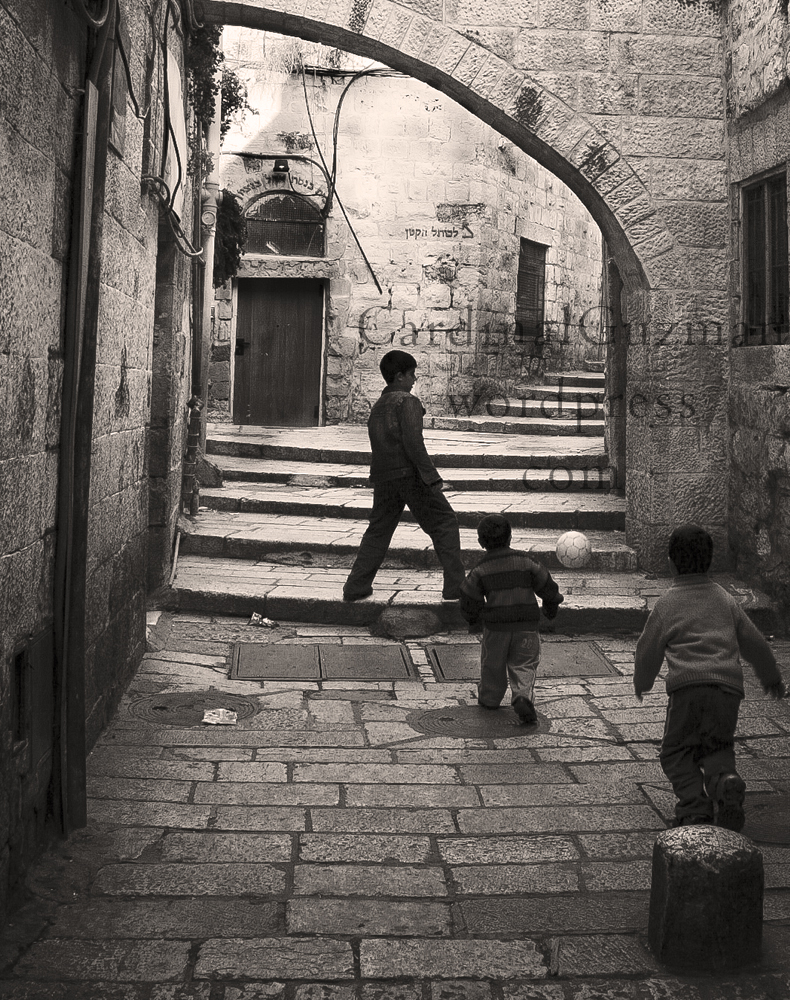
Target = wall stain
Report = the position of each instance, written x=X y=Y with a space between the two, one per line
x=26 y=402
x=529 y=105
x=460 y=212
x=122 y=392
x=295 y=140
x=359 y=14
x=594 y=162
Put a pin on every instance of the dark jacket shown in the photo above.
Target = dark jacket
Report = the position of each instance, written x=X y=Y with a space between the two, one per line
x=395 y=431
x=500 y=592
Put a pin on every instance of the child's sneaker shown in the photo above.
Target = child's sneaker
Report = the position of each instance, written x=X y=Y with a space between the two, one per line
x=730 y=793
x=525 y=710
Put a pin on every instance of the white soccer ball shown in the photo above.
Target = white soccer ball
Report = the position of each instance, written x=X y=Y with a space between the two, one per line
x=574 y=549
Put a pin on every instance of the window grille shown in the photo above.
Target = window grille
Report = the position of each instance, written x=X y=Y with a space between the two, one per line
x=285 y=224
x=530 y=289
x=765 y=260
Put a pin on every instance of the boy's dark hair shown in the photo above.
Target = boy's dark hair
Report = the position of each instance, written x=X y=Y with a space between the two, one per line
x=394 y=362
x=690 y=549
x=494 y=532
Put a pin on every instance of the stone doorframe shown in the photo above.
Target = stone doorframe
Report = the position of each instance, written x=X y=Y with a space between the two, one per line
x=625 y=104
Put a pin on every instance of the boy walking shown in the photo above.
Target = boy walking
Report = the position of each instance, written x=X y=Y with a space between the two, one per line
x=403 y=475
x=499 y=596
x=700 y=629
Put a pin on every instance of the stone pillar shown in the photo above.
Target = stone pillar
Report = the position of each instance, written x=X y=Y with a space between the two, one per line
x=676 y=422
x=706 y=899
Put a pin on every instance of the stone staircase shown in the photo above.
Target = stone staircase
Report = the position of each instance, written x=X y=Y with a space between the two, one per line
x=280 y=534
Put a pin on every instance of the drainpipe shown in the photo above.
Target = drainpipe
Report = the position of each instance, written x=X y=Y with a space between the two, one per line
x=208 y=224
x=79 y=374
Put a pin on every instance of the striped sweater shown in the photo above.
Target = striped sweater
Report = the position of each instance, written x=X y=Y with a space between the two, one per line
x=500 y=592
x=701 y=629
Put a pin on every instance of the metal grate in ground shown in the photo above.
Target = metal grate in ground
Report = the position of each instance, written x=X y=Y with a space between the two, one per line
x=461 y=662
x=320 y=661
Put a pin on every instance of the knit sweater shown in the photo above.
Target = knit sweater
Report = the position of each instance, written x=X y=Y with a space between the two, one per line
x=700 y=628
x=500 y=592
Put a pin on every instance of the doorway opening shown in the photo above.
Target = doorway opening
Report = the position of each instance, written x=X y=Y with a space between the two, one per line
x=278 y=352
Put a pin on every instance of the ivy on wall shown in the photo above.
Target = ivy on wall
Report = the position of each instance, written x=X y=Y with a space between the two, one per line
x=204 y=57
x=230 y=240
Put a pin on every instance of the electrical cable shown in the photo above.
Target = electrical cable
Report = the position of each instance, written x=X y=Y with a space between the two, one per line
x=333 y=190
x=328 y=203
x=125 y=60
x=165 y=204
x=357 y=76
x=94 y=22
x=168 y=122
x=194 y=24
x=106 y=28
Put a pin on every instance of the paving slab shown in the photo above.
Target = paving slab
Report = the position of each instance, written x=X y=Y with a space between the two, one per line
x=599 y=954
x=274 y=958
x=369 y=917
x=135 y=960
x=207 y=879
x=540 y=915
x=328 y=847
x=451 y=959
x=197 y=917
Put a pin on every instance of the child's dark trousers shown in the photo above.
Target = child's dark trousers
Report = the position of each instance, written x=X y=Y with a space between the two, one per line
x=698 y=746
x=433 y=513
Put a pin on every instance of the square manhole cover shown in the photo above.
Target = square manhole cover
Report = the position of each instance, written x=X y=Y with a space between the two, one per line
x=319 y=661
x=364 y=662
x=274 y=661
x=461 y=662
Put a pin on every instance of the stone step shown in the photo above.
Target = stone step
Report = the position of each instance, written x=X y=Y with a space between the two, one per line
x=454 y=449
x=561 y=425
x=594 y=602
x=311 y=474
x=591 y=379
x=551 y=390
x=333 y=542
x=582 y=511
x=595 y=366
x=570 y=407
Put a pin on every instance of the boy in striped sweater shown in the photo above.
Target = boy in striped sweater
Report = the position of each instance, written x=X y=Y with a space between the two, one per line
x=499 y=597
x=701 y=629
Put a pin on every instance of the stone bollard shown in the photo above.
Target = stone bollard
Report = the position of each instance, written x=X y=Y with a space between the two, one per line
x=706 y=899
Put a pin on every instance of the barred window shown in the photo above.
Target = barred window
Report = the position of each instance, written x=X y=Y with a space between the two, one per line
x=530 y=289
x=765 y=273
x=285 y=224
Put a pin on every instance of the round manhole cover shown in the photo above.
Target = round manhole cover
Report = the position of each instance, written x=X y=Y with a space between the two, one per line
x=473 y=722
x=187 y=708
x=768 y=819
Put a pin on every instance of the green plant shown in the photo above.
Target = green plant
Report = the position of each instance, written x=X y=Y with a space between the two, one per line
x=203 y=59
x=230 y=240
x=234 y=99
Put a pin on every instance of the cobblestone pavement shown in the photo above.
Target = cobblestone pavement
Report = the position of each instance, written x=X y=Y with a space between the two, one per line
x=323 y=848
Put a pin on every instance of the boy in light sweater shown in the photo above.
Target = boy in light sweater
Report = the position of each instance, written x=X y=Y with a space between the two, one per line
x=700 y=629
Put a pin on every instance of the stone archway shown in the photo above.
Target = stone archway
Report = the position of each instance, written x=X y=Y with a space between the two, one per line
x=625 y=104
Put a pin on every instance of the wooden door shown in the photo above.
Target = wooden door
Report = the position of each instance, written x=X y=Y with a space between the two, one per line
x=278 y=352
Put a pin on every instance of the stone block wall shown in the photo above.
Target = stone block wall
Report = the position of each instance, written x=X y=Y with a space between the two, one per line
x=43 y=44
x=439 y=202
x=759 y=395
x=42 y=65
x=758 y=46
